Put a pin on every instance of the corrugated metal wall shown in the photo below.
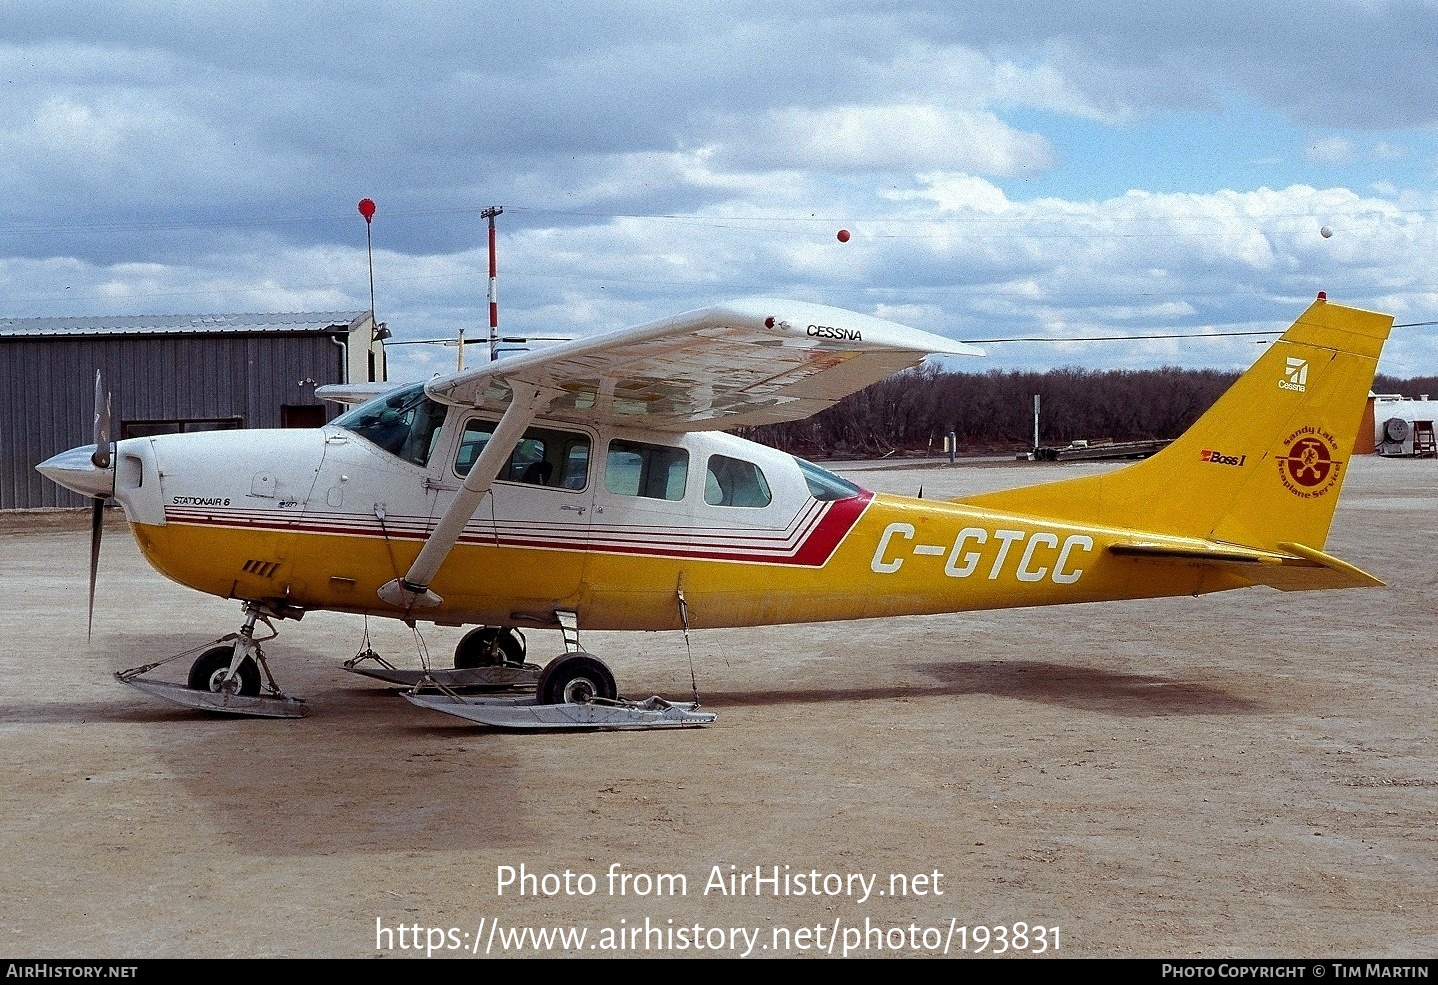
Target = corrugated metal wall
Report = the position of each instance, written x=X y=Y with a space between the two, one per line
x=47 y=391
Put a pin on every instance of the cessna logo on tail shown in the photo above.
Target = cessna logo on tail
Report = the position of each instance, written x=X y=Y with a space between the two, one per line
x=1295 y=375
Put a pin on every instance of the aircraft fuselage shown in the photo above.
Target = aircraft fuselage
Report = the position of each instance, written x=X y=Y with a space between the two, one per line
x=612 y=524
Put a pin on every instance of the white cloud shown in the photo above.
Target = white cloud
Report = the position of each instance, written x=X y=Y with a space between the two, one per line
x=1329 y=150
x=883 y=138
x=952 y=192
x=950 y=253
x=209 y=159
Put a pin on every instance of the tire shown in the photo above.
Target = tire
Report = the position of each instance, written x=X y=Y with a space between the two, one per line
x=209 y=669
x=476 y=648
x=575 y=678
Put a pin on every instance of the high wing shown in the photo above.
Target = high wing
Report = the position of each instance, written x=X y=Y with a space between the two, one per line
x=757 y=361
x=747 y=362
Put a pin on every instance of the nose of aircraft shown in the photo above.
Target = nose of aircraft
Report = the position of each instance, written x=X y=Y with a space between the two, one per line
x=75 y=470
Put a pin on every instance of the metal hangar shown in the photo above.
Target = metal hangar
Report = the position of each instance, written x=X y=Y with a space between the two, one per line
x=167 y=374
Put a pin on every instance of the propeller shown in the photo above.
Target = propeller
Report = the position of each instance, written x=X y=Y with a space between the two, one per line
x=100 y=458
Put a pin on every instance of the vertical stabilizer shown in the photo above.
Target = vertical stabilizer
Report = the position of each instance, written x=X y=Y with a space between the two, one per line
x=1263 y=466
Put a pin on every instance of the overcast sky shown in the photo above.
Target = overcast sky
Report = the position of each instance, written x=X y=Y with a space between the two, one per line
x=1054 y=169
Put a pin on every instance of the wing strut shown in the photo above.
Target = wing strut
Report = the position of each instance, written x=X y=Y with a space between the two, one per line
x=412 y=591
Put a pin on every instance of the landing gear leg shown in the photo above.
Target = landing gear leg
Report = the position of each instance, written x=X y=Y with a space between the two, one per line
x=575 y=691
x=574 y=677
x=236 y=669
x=490 y=646
x=569 y=624
x=227 y=678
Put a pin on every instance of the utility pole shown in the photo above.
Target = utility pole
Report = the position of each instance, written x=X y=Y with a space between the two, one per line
x=1036 y=423
x=489 y=214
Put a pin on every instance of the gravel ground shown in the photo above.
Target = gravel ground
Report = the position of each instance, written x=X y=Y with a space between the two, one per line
x=1250 y=774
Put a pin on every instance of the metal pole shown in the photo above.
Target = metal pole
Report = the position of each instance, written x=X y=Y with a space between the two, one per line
x=369 y=249
x=489 y=214
x=1036 y=422
x=367 y=210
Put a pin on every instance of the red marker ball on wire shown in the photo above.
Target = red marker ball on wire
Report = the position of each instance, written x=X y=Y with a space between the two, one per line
x=843 y=235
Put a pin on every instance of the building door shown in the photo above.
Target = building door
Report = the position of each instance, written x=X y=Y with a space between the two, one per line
x=302 y=415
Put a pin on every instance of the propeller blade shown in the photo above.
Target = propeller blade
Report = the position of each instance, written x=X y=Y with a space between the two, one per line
x=101 y=457
x=97 y=522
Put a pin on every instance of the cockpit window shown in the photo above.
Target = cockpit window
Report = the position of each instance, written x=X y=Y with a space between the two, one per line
x=826 y=486
x=405 y=423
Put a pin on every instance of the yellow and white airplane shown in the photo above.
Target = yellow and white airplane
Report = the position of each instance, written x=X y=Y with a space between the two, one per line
x=589 y=485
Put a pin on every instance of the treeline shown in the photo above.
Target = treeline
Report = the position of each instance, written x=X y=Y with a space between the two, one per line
x=1414 y=386
x=993 y=411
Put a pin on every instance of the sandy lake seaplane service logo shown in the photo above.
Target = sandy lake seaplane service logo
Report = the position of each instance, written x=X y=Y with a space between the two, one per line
x=1307 y=467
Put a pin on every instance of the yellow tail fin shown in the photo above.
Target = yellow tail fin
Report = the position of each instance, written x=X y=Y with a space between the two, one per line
x=1262 y=467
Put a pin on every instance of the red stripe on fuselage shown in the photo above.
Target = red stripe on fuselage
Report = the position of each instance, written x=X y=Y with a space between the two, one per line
x=814 y=548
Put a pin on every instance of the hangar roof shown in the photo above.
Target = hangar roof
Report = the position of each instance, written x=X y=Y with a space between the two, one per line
x=323 y=322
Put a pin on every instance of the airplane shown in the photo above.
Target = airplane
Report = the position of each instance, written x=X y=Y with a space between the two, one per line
x=591 y=484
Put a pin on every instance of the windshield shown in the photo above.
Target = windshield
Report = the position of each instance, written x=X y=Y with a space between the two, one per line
x=404 y=422
x=826 y=486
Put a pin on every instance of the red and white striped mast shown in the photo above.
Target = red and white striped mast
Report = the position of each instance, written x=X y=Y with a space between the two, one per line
x=489 y=214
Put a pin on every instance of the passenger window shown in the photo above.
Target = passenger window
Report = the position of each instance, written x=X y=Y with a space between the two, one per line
x=635 y=468
x=732 y=482
x=542 y=457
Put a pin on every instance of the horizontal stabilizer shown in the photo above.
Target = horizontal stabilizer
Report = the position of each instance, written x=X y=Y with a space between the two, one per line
x=1353 y=576
x=1292 y=568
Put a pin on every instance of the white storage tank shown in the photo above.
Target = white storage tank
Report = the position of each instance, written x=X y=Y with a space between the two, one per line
x=1402 y=426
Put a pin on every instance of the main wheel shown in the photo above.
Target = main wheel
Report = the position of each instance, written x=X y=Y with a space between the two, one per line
x=575 y=678
x=489 y=646
x=207 y=673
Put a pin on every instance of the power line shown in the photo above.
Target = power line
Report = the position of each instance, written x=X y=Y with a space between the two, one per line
x=1020 y=214
x=1163 y=335
x=1121 y=338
